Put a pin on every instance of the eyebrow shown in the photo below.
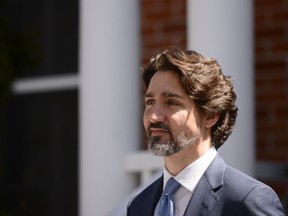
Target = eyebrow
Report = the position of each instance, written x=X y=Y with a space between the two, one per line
x=164 y=94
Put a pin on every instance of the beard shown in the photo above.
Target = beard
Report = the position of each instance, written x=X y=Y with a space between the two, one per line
x=178 y=141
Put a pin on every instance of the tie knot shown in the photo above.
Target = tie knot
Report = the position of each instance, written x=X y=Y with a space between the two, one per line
x=171 y=186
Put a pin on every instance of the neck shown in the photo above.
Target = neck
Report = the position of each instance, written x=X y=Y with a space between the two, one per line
x=177 y=162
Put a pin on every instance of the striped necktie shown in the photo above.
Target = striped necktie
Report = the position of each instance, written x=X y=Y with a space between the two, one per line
x=165 y=206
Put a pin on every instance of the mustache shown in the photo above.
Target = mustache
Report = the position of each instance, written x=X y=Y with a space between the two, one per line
x=158 y=125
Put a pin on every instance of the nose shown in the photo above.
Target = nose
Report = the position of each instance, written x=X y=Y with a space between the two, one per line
x=156 y=114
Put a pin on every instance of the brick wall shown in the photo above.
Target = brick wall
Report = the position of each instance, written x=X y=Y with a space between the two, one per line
x=163 y=23
x=271 y=58
x=271 y=73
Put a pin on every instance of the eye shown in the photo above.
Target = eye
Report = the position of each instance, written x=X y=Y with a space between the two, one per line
x=149 y=102
x=172 y=103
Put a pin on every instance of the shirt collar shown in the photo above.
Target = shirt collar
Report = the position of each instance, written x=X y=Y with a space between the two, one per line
x=191 y=174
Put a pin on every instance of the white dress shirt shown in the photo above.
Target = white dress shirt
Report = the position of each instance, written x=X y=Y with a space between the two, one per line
x=188 y=178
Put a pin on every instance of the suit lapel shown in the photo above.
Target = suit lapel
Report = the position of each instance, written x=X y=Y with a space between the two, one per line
x=156 y=193
x=204 y=197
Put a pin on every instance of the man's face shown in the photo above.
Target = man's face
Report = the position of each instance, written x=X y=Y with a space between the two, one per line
x=170 y=118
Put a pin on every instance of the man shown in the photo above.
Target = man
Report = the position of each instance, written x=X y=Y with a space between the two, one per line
x=189 y=113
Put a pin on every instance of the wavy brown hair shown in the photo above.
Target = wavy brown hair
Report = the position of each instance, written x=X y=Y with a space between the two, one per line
x=205 y=84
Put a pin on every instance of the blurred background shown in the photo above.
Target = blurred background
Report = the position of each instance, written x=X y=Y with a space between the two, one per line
x=70 y=95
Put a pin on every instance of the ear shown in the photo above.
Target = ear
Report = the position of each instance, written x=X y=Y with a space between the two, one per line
x=211 y=120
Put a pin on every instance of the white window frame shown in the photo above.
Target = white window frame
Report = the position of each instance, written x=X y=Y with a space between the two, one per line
x=45 y=84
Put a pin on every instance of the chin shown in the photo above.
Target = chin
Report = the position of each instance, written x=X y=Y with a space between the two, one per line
x=163 y=149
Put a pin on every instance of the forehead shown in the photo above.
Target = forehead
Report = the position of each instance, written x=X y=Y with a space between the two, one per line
x=166 y=81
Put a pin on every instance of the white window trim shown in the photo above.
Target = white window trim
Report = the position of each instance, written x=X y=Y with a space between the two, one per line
x=45 y=84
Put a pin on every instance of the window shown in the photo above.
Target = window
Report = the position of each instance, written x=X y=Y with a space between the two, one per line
x=39 y=121
x=39 y=150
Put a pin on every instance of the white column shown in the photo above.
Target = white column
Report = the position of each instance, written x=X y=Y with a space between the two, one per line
x=223 y=29
x=109 y=101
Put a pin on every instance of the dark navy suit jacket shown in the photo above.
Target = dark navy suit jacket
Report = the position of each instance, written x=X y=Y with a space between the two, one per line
x=222 y=190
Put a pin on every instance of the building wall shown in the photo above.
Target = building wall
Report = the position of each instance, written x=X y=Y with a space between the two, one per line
x=163 y=23
x=271 y=68
x=271 y=52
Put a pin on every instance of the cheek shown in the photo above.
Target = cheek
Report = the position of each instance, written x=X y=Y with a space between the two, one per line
x=180 y=118
x=145 y=118
x=194 y=125
x=190 y=126
x=182 y=121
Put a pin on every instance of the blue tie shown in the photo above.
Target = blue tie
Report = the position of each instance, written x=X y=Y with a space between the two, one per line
x=165 y=206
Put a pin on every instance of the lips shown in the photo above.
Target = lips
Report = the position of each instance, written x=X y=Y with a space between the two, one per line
x=158 y=131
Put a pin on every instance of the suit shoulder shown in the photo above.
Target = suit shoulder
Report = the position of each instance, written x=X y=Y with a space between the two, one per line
x=255 y=196
x=145 y=200
x=241 y=182
x=240 y=179
x=243 y=185
x=248 y=195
